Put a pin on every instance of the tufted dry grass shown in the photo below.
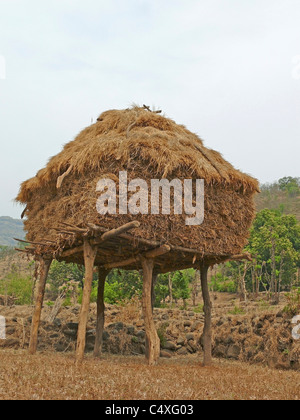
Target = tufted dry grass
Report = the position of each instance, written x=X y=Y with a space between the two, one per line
x=55 y=377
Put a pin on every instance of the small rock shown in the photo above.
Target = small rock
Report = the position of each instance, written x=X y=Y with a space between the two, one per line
x=191 y=347
x=166 y=354
x=105 y=336
x=169 y=345
x=72 y=325
x=229 y=340
x=190 y=337
x=220 y=351
x=57 y=323
x=60 y=348
x=233 y=352
x=117 y=326
x=182 y=352
x=70 y=333
x=130 y=329
x=196 y=326
x=10 y=330
x=181 y=341
x=9 y=343
x=141 y=334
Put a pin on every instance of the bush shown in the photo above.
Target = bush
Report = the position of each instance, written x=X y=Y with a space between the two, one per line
x=236 y=311
x=293 y=298
x=15 y=285
x=223 y=284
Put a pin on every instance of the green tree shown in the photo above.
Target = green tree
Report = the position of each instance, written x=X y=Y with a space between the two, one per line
x=275 y=243
x=290 y=185
x=61 y=273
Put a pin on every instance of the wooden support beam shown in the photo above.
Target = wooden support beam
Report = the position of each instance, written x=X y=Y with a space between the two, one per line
x=24 y=212
x=102 y=274
x=72 y=251
x=65 y=231
x=43 y=274
x=33 y=243
x=73 y=228
x=164 y=249
x=90 y=253
x=105 y=237
x=23 y=250
x=116 y=232
x=152 y=339
x=207 y=332
x=62 y=177
x=240 y=257
x=120 y=264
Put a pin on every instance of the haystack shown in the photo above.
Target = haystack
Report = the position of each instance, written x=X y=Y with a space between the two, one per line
x=63 y=222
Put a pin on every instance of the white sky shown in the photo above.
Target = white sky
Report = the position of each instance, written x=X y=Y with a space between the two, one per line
x=227 y=69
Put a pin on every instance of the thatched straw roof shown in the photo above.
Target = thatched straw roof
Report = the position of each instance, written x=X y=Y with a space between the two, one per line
x=148 y=146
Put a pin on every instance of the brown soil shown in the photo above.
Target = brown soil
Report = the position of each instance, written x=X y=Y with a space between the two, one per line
x=51 y=376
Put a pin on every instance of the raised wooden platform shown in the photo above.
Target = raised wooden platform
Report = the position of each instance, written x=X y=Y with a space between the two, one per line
x=118 y=249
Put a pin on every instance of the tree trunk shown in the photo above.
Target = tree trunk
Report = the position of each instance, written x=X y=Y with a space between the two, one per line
x=243 y=290
x=207 y=332
x=89 y=260
x=273 y=269
x=194 y=289
x=152 y=339
x=170 y=289
x=100 y=312
x=56 y=308
x=43 y=274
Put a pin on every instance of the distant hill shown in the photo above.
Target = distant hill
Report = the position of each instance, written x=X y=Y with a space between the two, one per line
x=10 y=228
x=277 y=197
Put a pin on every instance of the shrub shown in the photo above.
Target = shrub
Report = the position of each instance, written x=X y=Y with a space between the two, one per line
x=17 y=286
x=293 y=298
x=237 y=311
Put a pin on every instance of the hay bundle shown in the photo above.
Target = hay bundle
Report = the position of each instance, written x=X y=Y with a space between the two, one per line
x=148 y=146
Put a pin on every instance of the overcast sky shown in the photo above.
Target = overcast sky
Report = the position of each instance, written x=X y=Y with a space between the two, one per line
x=227 y=69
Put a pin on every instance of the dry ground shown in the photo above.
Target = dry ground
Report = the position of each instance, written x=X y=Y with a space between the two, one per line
x=54 y=377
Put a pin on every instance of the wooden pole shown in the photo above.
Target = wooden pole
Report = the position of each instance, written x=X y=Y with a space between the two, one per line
x=102 y=274
x=43 y=274
x=89 y=260
x=154 y=281
x=164 y=249
x=207 y=332
x=152 y=339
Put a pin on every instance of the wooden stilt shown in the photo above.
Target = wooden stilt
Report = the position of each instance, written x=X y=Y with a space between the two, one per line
x=100 y=312
x=154 y=281
x=152 y=339
x=89 y=260
x=207 y=332
x=43 y=274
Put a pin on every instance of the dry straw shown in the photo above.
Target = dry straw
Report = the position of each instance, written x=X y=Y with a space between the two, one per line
x=149 y=146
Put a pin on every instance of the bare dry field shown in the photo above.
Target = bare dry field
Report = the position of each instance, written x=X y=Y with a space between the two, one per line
x=49 y=376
